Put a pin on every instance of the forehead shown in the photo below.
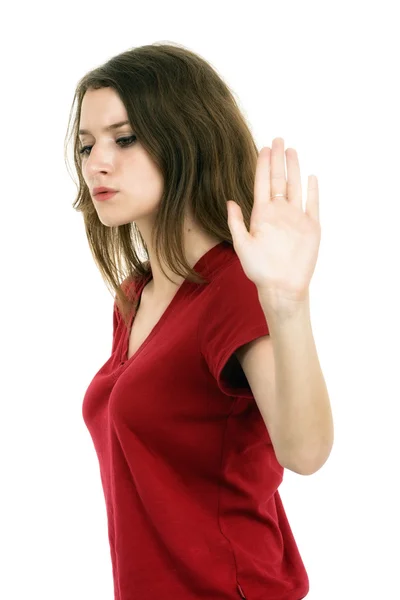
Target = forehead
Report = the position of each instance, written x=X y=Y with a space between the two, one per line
x=103 y=110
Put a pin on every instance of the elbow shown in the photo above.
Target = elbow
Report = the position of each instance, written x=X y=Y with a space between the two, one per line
x=304 y=465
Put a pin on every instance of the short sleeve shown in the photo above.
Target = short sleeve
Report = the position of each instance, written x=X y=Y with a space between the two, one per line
x=232 y=317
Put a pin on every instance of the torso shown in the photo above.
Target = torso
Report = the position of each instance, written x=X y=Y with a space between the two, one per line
x=148 y=315
x=150 y=311
x=146 y=318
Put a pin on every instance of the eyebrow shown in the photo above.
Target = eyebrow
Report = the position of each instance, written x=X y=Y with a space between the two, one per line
x=109 y=128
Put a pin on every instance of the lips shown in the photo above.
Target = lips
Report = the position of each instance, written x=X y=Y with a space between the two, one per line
x=101 y=190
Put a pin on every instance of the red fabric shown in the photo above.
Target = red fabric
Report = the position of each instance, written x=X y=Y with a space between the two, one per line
x=189 y=473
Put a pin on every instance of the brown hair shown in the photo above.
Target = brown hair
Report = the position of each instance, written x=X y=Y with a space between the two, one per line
x=187 y=119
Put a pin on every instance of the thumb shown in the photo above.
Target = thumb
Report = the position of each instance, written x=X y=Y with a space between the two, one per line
x=236 y=221
x=234 y=209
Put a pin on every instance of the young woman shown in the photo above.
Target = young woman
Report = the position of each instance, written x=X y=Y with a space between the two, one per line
x=190 y=416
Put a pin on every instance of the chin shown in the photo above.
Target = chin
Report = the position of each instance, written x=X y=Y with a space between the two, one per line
x=109 y=222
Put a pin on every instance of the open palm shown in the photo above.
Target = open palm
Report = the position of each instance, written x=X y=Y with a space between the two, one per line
x=280 y=252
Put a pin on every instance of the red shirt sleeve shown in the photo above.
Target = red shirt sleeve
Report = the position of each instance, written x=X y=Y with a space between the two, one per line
x=233 y=317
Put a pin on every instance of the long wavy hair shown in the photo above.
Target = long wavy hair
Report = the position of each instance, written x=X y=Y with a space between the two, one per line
x=187 y=119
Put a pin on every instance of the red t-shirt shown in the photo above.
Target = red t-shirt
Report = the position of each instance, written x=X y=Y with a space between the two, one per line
x=190 y=476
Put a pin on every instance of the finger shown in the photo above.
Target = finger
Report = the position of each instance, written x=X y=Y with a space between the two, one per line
x=262 y=192
x=278 y=177
x=312 y=207
x=236 y=224
x=294 y=191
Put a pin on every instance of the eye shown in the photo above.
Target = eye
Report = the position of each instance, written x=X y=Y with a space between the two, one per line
x=124 y=142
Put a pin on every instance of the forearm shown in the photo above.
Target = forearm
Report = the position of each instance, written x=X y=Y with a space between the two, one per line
x=303 y=416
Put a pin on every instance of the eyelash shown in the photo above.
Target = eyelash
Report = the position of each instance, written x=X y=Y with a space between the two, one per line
x=126 y=141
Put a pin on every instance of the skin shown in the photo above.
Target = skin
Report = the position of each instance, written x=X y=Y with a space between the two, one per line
x=130 y=170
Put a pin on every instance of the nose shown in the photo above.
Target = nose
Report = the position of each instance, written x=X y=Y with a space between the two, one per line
x=99 y=161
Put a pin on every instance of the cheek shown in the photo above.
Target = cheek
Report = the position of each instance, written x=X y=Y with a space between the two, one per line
x=147 y=183
x=84 y=175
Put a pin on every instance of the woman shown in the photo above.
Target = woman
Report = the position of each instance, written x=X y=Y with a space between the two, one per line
x=184 y=414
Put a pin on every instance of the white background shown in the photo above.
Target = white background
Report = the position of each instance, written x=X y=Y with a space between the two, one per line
x=324 y=76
